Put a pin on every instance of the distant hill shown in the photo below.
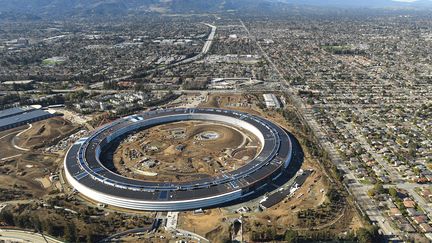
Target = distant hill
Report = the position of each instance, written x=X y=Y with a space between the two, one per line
x=71 y=7
x=62 y=8
x=363 y=3
x=114 y=7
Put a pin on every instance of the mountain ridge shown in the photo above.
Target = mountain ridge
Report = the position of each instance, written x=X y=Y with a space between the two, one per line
x=66 y=8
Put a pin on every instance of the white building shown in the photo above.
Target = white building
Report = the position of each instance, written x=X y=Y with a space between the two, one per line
x=271 y=101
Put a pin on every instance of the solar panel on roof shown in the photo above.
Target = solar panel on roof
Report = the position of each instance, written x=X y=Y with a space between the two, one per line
x=12 y=112
x=163 y=195
x=22 y=118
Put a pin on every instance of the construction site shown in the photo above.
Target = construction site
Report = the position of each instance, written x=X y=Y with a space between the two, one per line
x=185 y=151
x=27 y=170
x=316 y=206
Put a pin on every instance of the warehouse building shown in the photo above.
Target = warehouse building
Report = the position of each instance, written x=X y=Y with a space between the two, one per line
x=14 y=111
x=15 y=117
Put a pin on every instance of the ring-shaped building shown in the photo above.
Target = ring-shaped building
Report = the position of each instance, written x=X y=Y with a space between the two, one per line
x=87 y=173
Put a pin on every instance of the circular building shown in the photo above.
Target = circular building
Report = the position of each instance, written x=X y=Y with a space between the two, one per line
x=87 y=173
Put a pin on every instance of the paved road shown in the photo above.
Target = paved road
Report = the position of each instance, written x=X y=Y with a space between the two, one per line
x=9 y=134
x=366 y=106
x=10 y=140
x=74 y=117
x=25 y=236
x=155 y=225
x=366 y=204
x=203 y=52
x=192 y=235
x=394 y=175
x=19 y=134
x=425 y=205
x=391 y=171
x=127 y=232
x=103 y=91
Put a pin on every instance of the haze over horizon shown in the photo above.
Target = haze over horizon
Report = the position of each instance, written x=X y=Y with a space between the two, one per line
x=363 y=3
x=63 y=8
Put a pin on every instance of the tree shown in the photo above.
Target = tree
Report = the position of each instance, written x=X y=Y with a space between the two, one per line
x=23 y=221
x=291 y=236
x=333 y=195
x=76 y=96
x=141 y=87
x=255 y=235
x=90 y=237
x=369 y=234
x=379 y=188
x=412 y=149
x=37 y=224
x=393 y=192
x=48 y=227
x=338 y=174
x=70 y=232
x=7 y=217
x=110 y=85
x=270 y=233
x=364 y=236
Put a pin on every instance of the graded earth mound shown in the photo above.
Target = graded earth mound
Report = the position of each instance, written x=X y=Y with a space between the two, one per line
x=44 y=132
x=184 y=151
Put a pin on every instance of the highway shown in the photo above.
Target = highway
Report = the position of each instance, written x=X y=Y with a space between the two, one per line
x=25 y=236
x=204 y=51
x=210 y=38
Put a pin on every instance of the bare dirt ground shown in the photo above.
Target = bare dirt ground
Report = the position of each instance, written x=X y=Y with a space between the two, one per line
x=185 y=151
x=44 y=132
x=311 y=195
x=7 y=150
x=24 y=174
x=24 y=170
x=210 y=224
